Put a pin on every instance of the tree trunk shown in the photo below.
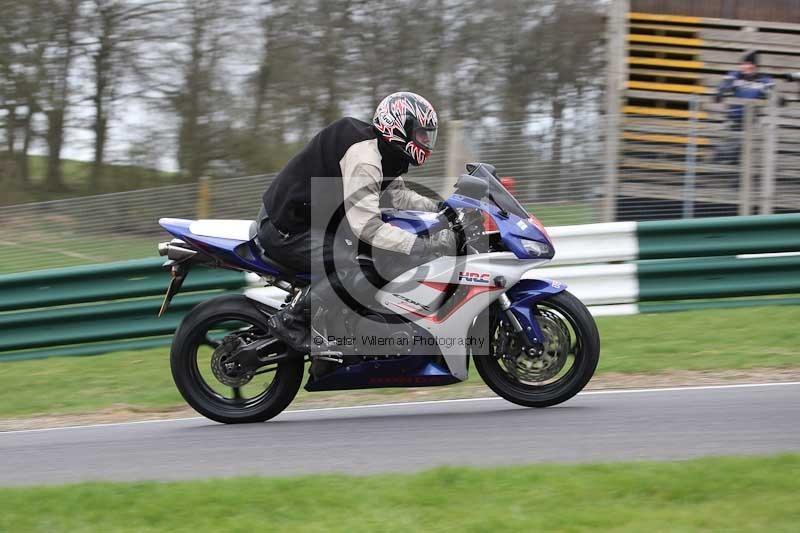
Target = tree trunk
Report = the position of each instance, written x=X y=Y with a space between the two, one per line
x=262 y=81
x=558 y=133
x=23 y=165
x=59 y=102
x=10 y=128
x=8 y=161
x=100 y=136
x=100 y=126
x=55 y=141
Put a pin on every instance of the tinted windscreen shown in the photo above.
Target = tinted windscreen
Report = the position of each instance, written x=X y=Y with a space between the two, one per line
x=498 y=193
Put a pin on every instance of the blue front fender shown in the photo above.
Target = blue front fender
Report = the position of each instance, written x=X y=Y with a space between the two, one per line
x=524 y=296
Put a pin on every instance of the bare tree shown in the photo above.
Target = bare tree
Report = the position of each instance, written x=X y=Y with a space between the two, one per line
x=248 y=82
x=199 y=100
x=59 y=61
x=24 y=39
x=115 y=30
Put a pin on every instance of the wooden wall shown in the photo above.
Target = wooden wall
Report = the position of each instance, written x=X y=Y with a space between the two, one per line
x=674 y=54
x=763 y=10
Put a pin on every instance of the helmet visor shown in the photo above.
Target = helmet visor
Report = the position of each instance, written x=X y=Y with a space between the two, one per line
x=425 y=137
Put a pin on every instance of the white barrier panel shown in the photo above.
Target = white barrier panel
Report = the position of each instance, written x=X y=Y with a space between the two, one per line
x=595 y=284
x=614 y=310
x=594 y=243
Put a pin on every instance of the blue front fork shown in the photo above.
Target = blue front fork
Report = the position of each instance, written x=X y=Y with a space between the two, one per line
x=518 y=303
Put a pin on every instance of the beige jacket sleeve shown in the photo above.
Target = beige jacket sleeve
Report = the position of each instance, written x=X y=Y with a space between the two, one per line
x=404 y=198
x=361 y=185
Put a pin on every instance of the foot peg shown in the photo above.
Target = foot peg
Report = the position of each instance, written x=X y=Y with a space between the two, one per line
x=328 y=355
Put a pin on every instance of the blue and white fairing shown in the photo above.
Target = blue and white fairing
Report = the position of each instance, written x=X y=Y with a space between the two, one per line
x=417 y=222
x=231 y=242
x=526 y=237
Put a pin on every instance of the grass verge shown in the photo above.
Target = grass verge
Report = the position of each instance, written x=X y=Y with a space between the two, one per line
x=23 y=255
x=719 y=494
x=719 y=339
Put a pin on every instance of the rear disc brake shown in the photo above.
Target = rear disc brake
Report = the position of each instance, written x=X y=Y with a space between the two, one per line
x=225 y=368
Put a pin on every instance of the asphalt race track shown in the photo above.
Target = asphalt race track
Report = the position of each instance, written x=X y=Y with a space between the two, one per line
x=595 y=426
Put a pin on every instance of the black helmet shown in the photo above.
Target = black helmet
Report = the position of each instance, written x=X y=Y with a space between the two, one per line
x=751 y=56
x=409 y=122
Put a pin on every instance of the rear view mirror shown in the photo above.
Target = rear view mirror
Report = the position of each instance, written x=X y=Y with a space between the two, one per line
x=471 y=186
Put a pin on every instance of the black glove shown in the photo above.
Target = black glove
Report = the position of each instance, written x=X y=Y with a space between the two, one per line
x=792 y=76
x=436 y=245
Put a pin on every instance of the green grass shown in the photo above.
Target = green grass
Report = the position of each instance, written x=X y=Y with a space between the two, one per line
x=702 y=340
x=24 y=255
x=712 y=494
x=693 y=340
x=563 y=214
x=76 y=180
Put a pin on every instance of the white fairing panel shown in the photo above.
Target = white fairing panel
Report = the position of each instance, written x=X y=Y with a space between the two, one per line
x=238 y=230
x=419 y=302
x=270 y=296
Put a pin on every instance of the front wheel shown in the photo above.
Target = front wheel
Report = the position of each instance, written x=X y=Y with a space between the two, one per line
x=201 y=362
x=571 y=350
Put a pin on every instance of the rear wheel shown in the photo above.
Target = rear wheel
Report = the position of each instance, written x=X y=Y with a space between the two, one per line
x=571 y=350
x=201 y=364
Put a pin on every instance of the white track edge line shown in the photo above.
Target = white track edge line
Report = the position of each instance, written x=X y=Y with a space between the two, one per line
x=423 y=402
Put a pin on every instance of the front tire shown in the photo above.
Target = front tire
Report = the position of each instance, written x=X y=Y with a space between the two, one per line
x=572 y=321
x=195 y=381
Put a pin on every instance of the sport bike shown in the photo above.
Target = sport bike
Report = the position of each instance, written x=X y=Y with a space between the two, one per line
x=531 y=341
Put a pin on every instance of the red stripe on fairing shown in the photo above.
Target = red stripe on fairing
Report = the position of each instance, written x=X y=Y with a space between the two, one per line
x=439 y=286
x=473 y=292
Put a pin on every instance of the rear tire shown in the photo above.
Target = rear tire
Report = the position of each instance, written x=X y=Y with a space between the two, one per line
x=587 y=348
x=183 y=362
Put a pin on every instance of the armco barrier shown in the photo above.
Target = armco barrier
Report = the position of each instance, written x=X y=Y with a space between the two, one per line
x=679 y=264
x=618 y=268
x=718 y=277
x=97 y=308
x=719 y=236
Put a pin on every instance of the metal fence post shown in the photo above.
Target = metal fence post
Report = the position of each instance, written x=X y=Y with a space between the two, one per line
x=459 y=153
x=691 y=160
x=768 y=172
x=204 y=197
x=746 y=162
x=616 y=29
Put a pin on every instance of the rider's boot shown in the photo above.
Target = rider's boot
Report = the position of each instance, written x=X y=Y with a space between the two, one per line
x=292 y=325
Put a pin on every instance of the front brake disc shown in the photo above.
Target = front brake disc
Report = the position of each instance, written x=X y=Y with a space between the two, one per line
x=553 y=357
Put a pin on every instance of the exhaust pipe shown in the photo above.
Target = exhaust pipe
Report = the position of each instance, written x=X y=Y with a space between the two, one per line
x=174 y=251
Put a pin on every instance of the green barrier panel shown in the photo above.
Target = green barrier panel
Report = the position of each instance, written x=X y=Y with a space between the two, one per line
x=95 y=283
x=98 y=308
x=70 y=325
x=718 y=277
x=706 y=237
x=80 y=313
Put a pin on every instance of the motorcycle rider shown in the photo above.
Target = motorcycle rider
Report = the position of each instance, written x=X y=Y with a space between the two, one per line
x=356 y=165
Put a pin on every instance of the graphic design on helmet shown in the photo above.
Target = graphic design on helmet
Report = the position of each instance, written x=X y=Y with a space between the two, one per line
x=408 y=122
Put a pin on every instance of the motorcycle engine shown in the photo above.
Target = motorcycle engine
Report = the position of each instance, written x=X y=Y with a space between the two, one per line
x=379 y=338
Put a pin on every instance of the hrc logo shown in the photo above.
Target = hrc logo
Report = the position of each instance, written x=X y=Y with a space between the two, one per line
x=474 y=277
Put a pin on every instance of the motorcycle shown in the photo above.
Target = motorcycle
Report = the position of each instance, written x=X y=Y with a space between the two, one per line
x=531 y=341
